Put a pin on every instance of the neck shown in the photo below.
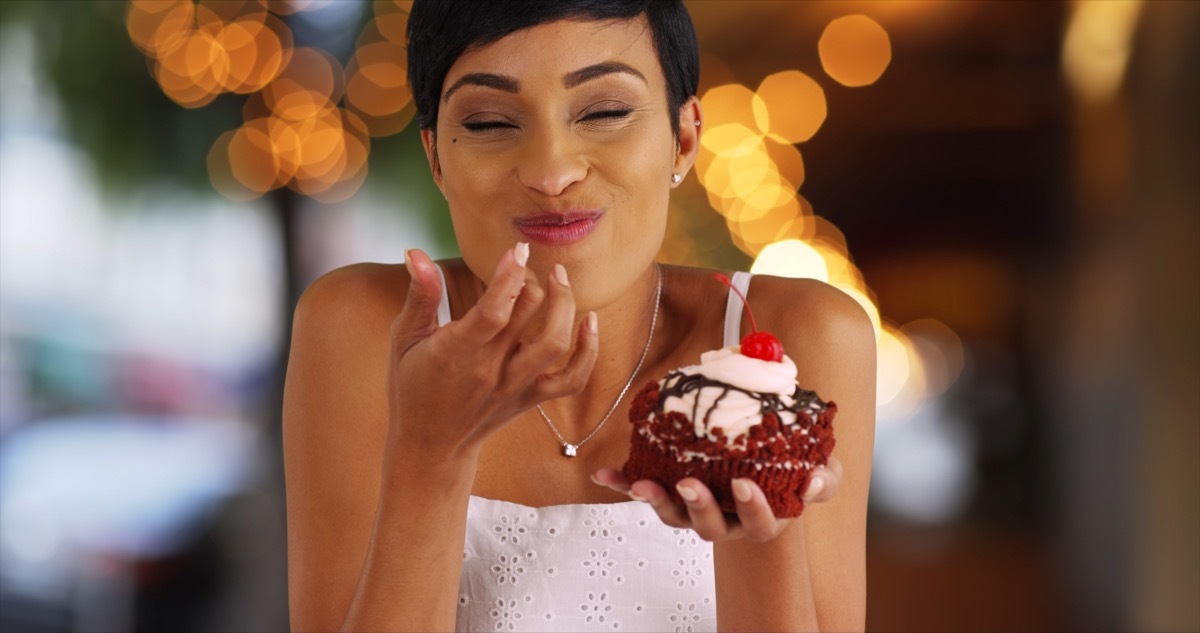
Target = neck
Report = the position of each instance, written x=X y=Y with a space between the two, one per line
x=625 y=336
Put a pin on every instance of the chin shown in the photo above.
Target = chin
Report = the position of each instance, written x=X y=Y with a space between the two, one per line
x=597 y=286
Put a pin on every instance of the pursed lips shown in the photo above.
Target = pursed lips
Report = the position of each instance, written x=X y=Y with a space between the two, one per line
x=558 y=229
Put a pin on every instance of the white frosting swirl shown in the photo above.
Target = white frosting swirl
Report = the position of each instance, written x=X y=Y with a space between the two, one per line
x=737 y=411
x=729 y=366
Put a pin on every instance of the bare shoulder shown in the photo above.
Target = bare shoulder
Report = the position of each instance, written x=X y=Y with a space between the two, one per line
x=818 y=324
x=338 y=356
x=832 y=340
x=334 y=426
x=352 y=293
x=334 y=401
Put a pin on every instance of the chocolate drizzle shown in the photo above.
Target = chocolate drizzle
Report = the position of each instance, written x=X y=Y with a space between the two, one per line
x=678 y=384
x=806 y=436
x=777 y=456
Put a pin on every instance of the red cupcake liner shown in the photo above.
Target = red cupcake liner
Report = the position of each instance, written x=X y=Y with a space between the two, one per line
x=779 y=458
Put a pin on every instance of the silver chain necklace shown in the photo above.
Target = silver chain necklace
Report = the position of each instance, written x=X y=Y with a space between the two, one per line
x=570 y=449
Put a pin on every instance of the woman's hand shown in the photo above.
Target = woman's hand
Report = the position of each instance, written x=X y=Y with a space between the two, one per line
x=754 y=521
x=452 y=386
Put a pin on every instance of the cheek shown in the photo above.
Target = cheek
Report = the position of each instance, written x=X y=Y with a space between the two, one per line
x=464 y=171
x=465 y=185
x=469 y=182
x=643 y=169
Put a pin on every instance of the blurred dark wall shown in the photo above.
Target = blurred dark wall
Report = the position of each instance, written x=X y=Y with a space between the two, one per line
x=1119 y=339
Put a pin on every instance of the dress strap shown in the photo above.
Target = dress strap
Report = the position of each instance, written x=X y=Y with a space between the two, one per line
x=734 y=308
x=444 y=304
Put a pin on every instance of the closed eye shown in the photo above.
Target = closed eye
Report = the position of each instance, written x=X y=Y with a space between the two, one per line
x=484 y=126
x=608 y=114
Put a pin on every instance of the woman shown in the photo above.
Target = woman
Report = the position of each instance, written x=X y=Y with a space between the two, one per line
x=425 y=452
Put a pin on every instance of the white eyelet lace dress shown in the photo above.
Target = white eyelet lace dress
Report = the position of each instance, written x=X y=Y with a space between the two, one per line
x=585 y=567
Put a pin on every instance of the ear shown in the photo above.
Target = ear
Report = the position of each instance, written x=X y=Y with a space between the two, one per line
x=690 y=124
x=429 y=141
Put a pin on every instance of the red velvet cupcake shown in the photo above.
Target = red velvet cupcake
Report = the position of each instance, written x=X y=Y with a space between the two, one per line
x=732 y=416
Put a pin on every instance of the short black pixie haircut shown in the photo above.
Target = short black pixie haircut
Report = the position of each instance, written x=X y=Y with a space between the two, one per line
x=439 y=31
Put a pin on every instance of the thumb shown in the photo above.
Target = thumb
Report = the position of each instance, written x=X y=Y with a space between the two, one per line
x=418 y=319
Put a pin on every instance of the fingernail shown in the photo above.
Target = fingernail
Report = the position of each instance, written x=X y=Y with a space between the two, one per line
x=741 y=490
x=593 y=324
x=815 y=487
x=412 y=264
x=521 y=253
x=688 y=494
x=637 y=497
x=560 y=274
x=595 y=481
x=408 y=263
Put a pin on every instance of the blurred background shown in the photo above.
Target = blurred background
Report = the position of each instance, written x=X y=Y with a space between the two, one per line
x=1009 y=188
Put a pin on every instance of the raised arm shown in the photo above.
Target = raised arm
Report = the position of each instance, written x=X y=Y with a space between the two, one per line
x=813 y=575
x=786 y=574
x=383 y=419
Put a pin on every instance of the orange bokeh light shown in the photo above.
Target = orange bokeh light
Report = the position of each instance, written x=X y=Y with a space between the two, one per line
x=310 y=84
x=192 y=72
x=792 y=106
x=252 y=159
x=220 y=171
x=855 y=50
x=377 y=89
x=259 y=46
x=728 y=104
x=761 y=226
x=391 y=20
x=197 y=51
x=157 y=26
x=788 y=161
x=295 y=134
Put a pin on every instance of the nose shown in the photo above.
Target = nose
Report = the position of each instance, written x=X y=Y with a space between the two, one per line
x=551 y=162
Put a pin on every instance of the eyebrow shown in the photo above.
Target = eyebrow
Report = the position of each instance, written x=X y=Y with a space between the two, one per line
x=570 y=80
x=588 y=73
x=487 y=80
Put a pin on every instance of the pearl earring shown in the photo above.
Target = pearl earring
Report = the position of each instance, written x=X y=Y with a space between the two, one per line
x=676 y=179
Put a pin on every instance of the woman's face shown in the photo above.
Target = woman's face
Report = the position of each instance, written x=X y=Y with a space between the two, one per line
x=558 y=135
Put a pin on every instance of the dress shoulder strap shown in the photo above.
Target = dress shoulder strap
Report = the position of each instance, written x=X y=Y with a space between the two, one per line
x=734 y=308
x=444 y=304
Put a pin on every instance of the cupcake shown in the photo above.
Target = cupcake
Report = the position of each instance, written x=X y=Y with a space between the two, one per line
x=739 y=413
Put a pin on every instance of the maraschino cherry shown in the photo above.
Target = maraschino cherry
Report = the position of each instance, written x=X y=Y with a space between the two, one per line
x=760 y=345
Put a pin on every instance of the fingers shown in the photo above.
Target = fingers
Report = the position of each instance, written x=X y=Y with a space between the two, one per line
x=418 y=318
x=668 y=512
x=554 y=341
x=500 y=325
x=757 y=519
x=823 y=482
x=572 y=378
x=707 y=519
x=612 y=479
x=531 y=298
x=492 y=312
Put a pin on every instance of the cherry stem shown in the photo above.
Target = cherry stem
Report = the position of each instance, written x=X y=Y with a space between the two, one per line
x=745 y=304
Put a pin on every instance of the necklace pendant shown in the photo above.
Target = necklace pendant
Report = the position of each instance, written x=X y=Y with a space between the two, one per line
x=570 y=449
